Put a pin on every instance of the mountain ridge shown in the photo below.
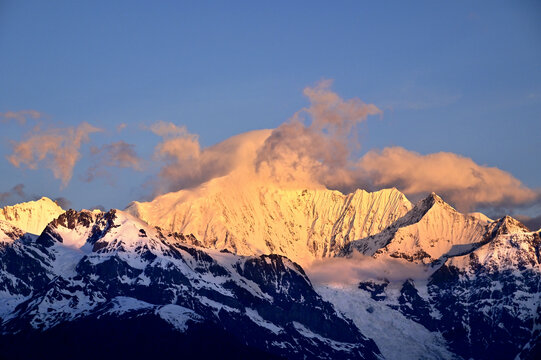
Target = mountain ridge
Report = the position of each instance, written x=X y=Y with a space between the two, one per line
x=119 y=268
x=299 y=223
x=32 y=216
x=91 y=268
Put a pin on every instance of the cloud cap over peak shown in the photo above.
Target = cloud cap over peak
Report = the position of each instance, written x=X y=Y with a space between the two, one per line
x=314 y=148
x=315 y=145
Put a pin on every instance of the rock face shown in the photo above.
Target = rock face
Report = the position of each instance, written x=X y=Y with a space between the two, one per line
x=301 y=224
x=105 y=276
x=32 y=216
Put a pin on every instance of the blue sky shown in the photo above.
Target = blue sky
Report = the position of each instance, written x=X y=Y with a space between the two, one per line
x=462 y=77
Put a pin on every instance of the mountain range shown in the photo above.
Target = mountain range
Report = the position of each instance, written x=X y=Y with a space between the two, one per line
x=237 y=272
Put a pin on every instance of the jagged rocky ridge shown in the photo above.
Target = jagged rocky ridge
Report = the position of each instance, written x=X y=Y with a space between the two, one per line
x=110 y=277
x=479 y=299
x=483 y=297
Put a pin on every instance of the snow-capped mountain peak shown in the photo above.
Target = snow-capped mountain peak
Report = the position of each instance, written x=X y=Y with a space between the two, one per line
x=90 y=268
x=302 y=224
x=508 y=225
x=32 y=216
x=113 y=267
x=431 y=230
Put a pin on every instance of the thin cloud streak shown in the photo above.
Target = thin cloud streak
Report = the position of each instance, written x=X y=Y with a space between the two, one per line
x=20 y=116
x=118 y=154
x=356 y=268
x=17 y=190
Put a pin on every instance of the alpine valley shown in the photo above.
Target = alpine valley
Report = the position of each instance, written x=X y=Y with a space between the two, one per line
x=268 y=272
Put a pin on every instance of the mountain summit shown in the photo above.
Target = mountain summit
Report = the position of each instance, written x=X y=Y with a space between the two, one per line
x=31 y=216
x=431 y=230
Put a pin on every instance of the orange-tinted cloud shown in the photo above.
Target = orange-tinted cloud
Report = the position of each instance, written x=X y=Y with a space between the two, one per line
x=169 y=130
x=57 y=148
x=118 y=154
x=315 y=144
x=20 y=116
x=187 y=165
x=328 y=111
x=313 y=150
x=458 y=179
x=180 y=151
x=121 y=127
x=309 y=149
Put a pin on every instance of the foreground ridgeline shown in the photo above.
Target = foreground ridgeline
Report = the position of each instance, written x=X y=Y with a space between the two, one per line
x=133 y=290
x=191 y=279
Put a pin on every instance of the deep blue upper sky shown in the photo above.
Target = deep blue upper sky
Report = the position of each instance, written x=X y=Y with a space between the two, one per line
x=463 y=77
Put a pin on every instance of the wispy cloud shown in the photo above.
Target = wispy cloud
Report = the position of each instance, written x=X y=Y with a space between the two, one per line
x=532 y=222
x=20 y=116
x=118 y=154
x=57 y=149
x=168 y=130
x=63 y=202
x=316 y=143
x=17 y=190
x=358 y=267
x=186 y=164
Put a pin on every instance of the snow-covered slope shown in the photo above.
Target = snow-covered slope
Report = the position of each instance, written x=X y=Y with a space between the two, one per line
x=89 y=272
x=18 y=272
x=430 y=231
x=396 y=335
x=261 y=219
x=485 y=301
x=509 y=245
x=32 y=216
x=492 y=296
